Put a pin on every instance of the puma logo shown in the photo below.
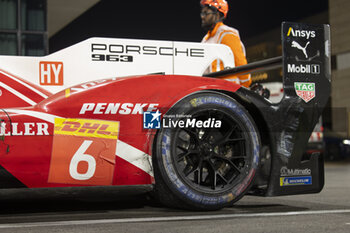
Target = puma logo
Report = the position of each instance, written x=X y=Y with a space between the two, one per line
x=298 y=46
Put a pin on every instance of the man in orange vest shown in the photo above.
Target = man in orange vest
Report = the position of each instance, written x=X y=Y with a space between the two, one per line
x=213 y=13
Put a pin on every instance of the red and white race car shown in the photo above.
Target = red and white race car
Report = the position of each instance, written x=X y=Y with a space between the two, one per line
x=199 y=142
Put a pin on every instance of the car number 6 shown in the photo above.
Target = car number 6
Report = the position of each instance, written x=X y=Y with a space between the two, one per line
x=80 y=156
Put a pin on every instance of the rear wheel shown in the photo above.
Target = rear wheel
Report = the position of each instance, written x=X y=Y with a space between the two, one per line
x=206 y=165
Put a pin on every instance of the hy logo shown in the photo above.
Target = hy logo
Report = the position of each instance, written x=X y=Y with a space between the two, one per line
x=306 y=91
x=301 y=33
x=51 y=73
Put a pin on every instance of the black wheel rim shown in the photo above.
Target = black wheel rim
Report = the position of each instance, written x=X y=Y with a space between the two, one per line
x=212 y=160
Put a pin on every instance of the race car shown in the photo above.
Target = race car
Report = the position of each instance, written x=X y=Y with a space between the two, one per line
x=198 y=142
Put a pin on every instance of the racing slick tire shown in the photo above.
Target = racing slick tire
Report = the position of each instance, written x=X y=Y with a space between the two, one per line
x=211 y=165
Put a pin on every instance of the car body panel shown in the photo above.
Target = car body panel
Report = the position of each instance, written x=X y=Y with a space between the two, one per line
x=29 y=132
x=97 y=58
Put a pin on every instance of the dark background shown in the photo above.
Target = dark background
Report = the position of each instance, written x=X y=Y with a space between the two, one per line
x=178 y=20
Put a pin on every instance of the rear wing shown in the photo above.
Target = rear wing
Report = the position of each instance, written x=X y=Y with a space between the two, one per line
x=307 y=84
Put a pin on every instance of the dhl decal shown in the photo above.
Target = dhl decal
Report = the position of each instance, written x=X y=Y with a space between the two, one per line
x=86 y=128
x=83 y=152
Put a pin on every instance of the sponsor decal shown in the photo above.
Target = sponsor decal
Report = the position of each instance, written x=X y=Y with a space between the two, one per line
x=85 y=86
x=302 y=43
x=126 y=53
x=83 y=152
x=24 y=129
x=306 y=91
x=293 y=181
x=191 y=123
x=301 y=33
x=89 y=85
x=117 y=108
x=295 y=172
x=51 y=73
x=301 y=48
x=86 y=128
x=152 y=120
x=304 y=69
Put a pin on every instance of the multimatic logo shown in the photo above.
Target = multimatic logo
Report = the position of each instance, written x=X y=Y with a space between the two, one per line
x=126 y=53
x=301 y=33
x=304 y=69
x=295 y=172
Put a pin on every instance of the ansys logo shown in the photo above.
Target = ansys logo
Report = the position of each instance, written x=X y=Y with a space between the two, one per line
x=301 y=33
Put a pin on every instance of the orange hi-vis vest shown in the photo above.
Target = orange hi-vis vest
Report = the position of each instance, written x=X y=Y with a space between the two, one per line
x=223 y=34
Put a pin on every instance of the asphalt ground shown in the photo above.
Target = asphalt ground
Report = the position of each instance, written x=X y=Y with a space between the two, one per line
x=328 y=211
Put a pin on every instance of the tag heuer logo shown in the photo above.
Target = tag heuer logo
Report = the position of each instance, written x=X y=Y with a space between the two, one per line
x=306 y=91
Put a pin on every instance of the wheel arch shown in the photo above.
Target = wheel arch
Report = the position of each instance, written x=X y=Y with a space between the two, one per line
x=254 y=112
x=264 y=171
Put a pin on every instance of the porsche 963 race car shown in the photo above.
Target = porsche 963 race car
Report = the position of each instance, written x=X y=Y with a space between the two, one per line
x=198 y=142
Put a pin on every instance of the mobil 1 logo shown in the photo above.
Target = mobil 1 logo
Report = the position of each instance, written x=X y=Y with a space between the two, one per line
x=304 y=69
